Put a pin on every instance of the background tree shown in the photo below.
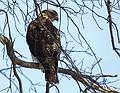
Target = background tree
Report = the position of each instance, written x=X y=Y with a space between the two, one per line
x=79 y=62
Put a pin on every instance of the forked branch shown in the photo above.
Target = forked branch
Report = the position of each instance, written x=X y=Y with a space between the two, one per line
x=86 y=80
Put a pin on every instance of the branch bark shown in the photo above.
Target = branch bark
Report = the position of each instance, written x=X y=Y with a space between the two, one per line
x=111 y=23
x=86 y=80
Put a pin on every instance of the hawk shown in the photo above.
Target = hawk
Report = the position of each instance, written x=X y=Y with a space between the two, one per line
x=43 y=39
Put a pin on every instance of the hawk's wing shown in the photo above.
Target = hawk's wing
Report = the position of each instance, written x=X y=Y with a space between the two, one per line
x=44 y=44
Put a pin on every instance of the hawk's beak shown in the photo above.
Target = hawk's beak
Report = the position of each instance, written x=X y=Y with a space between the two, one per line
x=56 y=18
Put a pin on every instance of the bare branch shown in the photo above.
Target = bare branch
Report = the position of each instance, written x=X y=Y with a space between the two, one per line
x=32 y=8
x=108 y=5
x=85 y=80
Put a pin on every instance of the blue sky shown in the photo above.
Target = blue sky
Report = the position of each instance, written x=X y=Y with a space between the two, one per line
x=98 y=39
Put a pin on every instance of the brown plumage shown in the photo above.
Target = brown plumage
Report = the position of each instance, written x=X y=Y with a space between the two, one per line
x=43 y=40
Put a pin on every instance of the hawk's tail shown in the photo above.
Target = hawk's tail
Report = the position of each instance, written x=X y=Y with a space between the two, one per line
x=51 y=75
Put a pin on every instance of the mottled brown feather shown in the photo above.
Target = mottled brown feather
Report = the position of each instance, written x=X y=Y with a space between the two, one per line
x=44 y=44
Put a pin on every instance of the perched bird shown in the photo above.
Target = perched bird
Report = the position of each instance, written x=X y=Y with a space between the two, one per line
x=43 y=39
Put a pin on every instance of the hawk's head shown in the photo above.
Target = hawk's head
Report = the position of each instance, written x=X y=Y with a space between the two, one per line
x=51 y=14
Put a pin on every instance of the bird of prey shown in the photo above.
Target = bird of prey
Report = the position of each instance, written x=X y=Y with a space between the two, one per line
x=43 y=39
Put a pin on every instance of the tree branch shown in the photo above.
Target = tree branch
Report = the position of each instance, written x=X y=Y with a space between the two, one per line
x=111 y=23
x=86 y=80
